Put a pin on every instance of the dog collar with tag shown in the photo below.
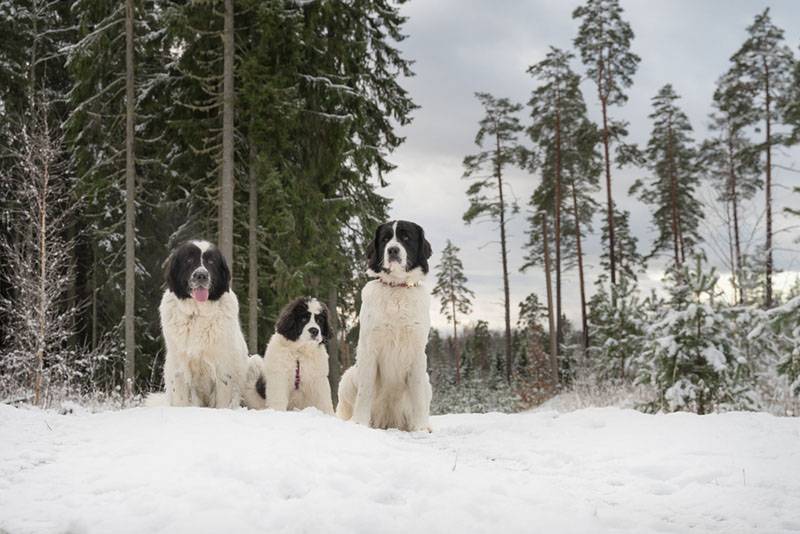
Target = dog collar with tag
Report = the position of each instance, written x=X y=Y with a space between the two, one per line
x=408 y=284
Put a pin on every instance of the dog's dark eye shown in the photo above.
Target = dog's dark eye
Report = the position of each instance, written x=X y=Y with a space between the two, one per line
x=405 y=238
x=385 y=238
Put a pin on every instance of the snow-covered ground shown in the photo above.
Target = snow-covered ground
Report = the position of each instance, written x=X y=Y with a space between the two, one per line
x=178 y=470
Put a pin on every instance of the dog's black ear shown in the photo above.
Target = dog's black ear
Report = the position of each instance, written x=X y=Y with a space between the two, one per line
x=289 y=324
x=324 y=321
x=373 y=253
x=172 y=271
x=425 y=251
x=220 y=278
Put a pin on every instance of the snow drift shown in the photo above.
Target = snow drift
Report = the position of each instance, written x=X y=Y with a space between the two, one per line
x=202 y=470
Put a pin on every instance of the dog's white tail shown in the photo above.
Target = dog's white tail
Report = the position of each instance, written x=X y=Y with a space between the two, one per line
x=156 y=400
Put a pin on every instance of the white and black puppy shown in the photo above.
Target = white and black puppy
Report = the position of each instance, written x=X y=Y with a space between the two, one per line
x=293 y=374
x=389 y=387
x=206 y=357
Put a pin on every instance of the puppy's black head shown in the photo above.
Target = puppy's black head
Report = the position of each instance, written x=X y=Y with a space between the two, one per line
x=399 y=246
x=304 y=319
x=197 y=269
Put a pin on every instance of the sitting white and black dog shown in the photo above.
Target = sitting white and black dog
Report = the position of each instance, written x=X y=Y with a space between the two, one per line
x=206 y=360
x=293 y=374
x=389 y=387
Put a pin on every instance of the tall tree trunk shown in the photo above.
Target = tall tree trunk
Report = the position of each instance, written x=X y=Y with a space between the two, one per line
x=731 y=251
x=130 y=206
x=557 y=212
x=611 y=254
x=227 y=182
x=503 y=246
x=735 y=206
x=456 y=349
x=581 y=280
x=673 y=199
x=768 y=189
x=550 y=314
x=333 y=343
x=43 y=259
x=252 y=249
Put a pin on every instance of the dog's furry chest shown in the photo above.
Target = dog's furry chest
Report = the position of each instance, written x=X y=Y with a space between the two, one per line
x=395 y=322
x=395 y=311
x=208 y=333
x=197 y=333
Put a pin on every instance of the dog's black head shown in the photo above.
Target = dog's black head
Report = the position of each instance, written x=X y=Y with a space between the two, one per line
x=399 y=247
x=304 y=319
x=197 y=269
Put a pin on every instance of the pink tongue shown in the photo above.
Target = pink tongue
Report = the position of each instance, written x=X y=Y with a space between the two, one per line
x=200 y=294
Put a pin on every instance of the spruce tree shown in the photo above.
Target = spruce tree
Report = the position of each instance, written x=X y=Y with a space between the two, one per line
x=618 y=320
x=688 y=354
x=565 y=142
x=453 y=294
x=604 y=42
x=671 y=190
x=763 y=68
x=487 y=198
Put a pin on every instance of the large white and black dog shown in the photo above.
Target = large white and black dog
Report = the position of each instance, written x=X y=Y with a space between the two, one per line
x=206 y=360
x=293 y=374
x=389 y=387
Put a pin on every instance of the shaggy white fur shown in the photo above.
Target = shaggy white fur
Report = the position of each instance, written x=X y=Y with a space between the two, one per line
x=296 y=375
x=206 y=358
x=389 y=385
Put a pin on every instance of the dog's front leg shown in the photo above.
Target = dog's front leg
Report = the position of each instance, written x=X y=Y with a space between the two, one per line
x=177 y=388
x=277 y=394
x=367 y=375
x=419 y=391
x=325 y=400
x=226 y=390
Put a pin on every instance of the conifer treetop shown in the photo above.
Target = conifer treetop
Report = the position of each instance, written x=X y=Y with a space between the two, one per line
x=604 y=42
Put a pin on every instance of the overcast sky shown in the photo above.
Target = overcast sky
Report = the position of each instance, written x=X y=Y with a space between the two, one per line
x=463 y=46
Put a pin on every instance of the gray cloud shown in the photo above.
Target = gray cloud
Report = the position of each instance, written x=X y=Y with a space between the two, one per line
x=463 y=46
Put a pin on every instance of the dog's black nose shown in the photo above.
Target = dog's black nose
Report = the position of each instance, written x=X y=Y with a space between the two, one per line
x=394 y=251
x=200 y=276
x=313 y=331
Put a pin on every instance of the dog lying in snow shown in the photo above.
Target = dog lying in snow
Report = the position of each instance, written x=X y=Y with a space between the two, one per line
x=389 y=387
x=206 y=360
x=293 y=374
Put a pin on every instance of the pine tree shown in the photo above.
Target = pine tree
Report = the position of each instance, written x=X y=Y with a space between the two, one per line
x=763 y=68
x=731 y=161
x=785 y=324
x=604 y=41
x=453 y=294
x=227 y=183
x=671 y=189
x=565 y=143
x=499 y=128
x=533 y=368
x=618 y=320
x=688 y=354
x=628 y=259
x=793 y=107
x=130 y=203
